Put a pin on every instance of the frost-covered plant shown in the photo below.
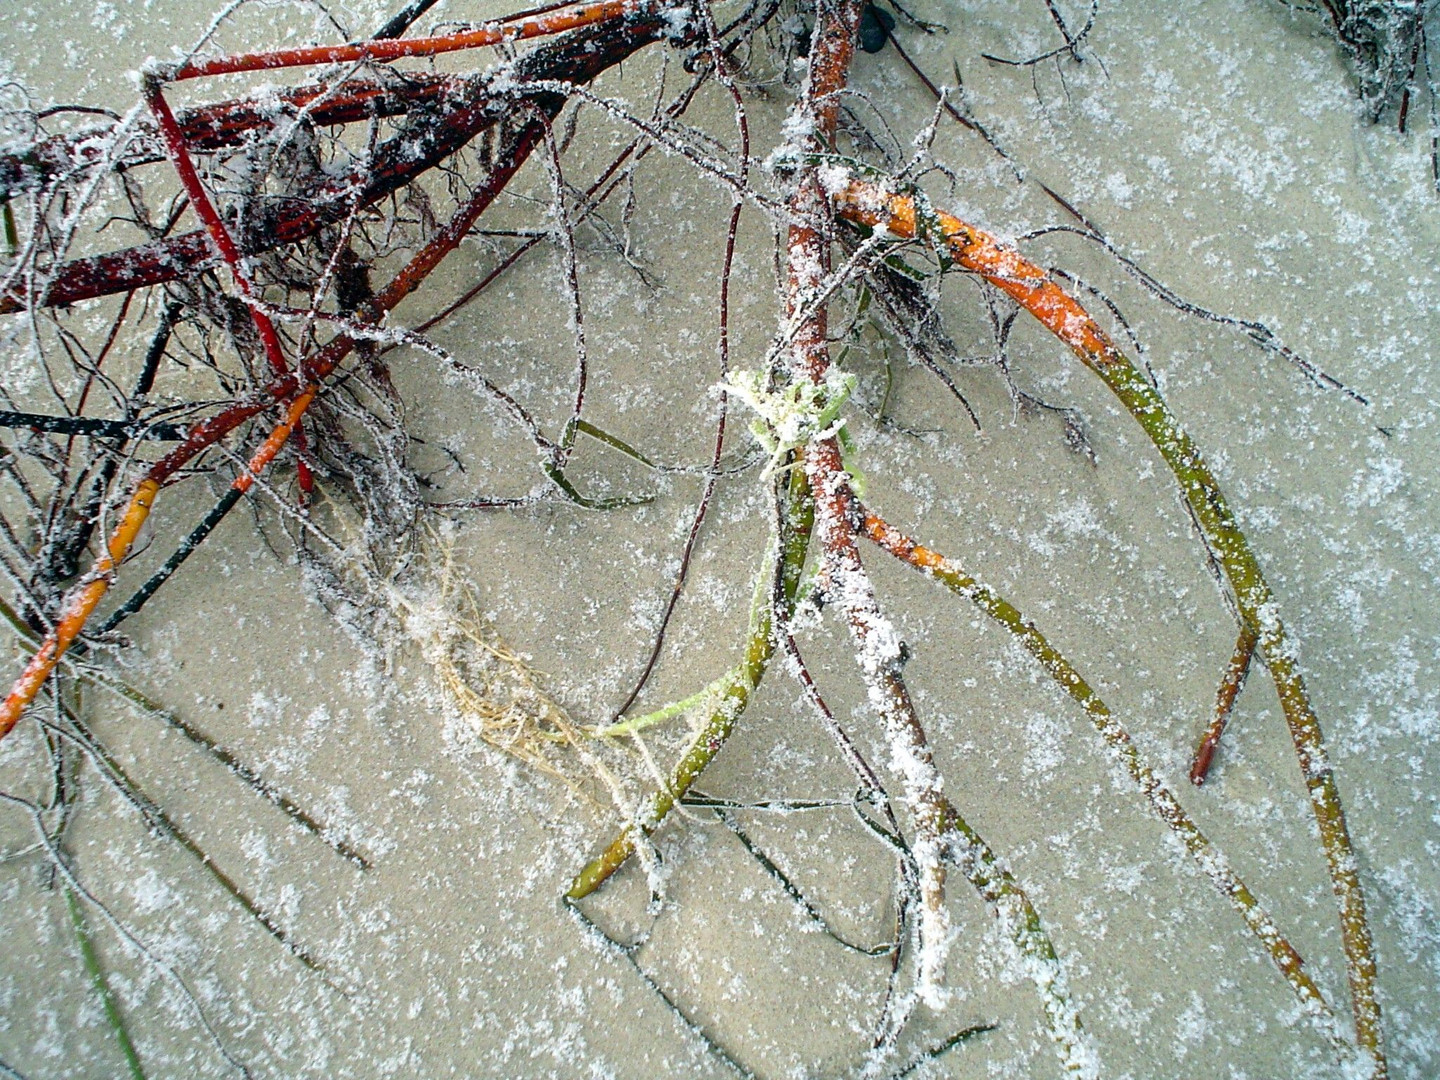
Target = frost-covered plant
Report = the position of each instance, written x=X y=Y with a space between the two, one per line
x=269 y=327
x=1384 y=39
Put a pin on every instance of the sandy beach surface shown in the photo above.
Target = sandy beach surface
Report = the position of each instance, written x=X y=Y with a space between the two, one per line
x=1220 y=146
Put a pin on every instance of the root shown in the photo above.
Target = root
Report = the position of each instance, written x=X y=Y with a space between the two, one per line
x=492 y=690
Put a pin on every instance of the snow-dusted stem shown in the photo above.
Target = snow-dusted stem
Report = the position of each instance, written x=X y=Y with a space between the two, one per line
x=1162 y=801
x=811 y=128
x=880 y=654
x=940 y=832
x=1020 y=922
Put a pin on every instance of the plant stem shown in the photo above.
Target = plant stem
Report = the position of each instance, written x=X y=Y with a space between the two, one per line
x=798 y=514
x=12 y=235
x=1032 y=287
x=1230 y=684
x=382 y=49
x=666 y=712
x=102 y=985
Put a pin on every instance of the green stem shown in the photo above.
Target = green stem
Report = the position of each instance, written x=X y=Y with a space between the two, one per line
x=1019 y=920
x=798 y=514
x=1162 y=801
x=102 y=985
x=12 y=236
x=27 y=635
x=659 y=716
x=612 y=441
x=558 y=478
x=1258 y=611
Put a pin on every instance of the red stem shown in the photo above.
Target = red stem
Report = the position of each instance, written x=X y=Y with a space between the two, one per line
x=1230 y=685
x=394 y=49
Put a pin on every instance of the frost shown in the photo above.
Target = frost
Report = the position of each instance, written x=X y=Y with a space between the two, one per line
x=152 y=893
x=1383 y=477
x=1192 y=1026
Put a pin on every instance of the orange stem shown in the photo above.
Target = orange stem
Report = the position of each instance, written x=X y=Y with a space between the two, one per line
x=84 y=602
x=78 y=611
x=980 y=252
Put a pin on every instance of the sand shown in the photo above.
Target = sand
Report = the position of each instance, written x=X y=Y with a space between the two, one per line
x=1219 y=145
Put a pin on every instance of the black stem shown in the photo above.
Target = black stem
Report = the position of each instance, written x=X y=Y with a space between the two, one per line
x=92 y=425
x=184 y=551
x=402 y=19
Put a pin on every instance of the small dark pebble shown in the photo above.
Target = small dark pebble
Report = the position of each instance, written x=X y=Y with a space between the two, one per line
x=875 y=27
